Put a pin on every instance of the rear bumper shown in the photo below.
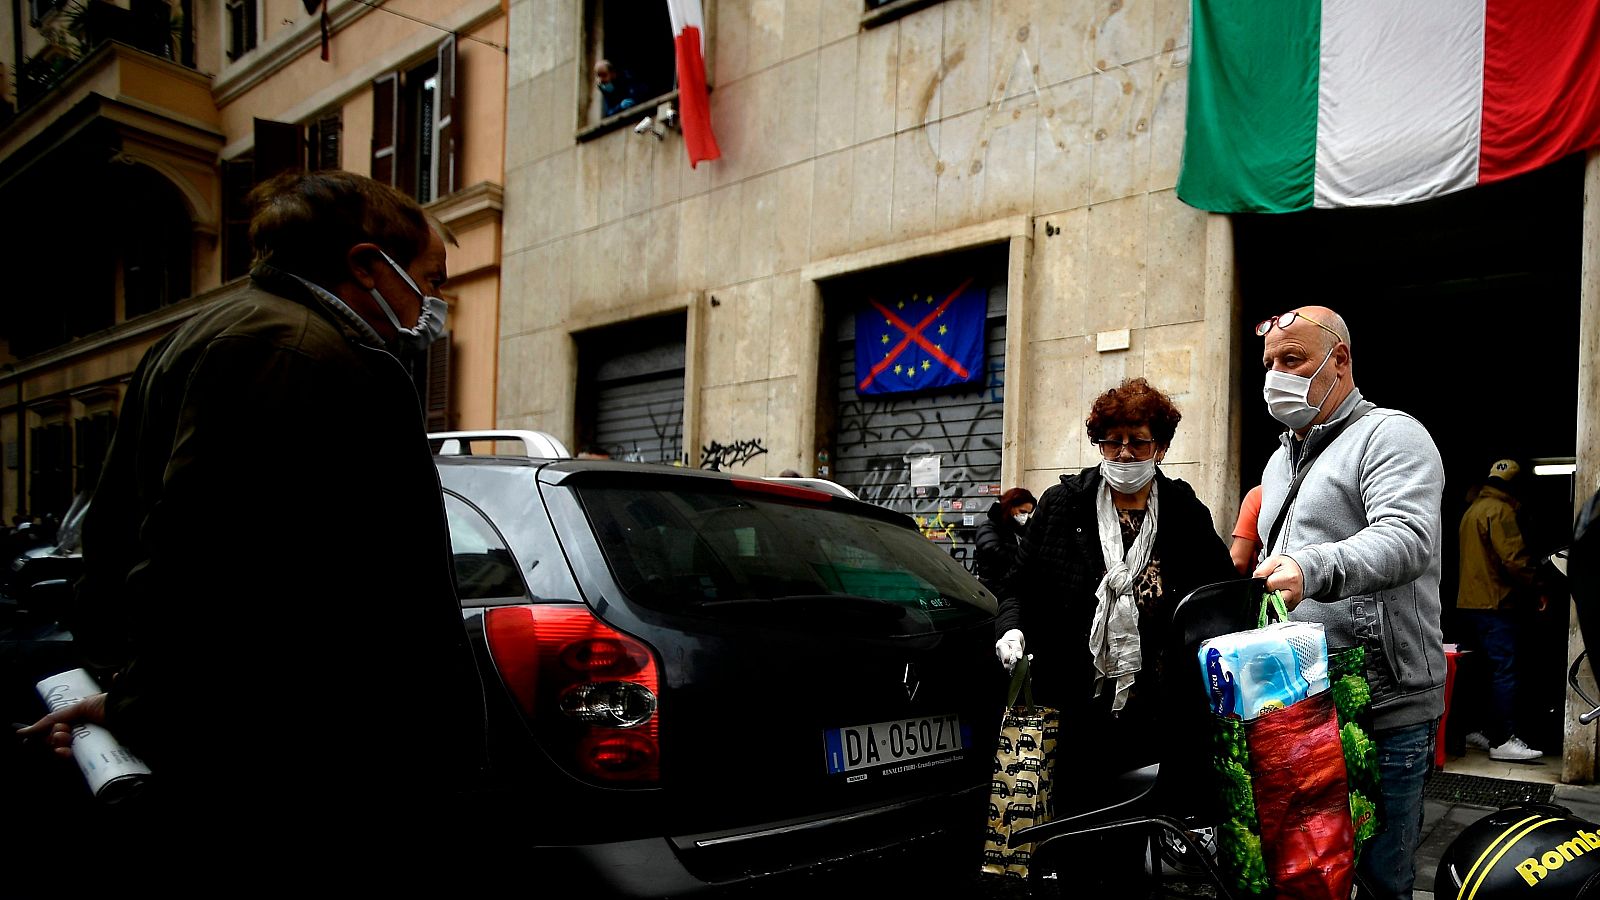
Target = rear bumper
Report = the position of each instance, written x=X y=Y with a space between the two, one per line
x=939 y=838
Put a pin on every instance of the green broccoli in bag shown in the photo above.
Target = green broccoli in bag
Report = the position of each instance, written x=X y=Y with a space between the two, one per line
x=1364 y=815
x=1351 y=696
x=1239 y=851
x=1360 y=755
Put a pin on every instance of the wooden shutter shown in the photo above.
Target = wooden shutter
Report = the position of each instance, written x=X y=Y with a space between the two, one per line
x=323 y=140
x=385 y=126
x=449 y=141
x=50 y=487
x=278 y=148
x=436 y=399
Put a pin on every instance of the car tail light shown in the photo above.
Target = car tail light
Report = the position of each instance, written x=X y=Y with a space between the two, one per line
x=589 y=690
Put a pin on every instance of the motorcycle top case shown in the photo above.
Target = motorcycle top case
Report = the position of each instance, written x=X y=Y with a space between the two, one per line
x=1527 y=850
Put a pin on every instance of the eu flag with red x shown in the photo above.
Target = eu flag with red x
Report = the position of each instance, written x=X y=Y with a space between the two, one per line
x=919 y=339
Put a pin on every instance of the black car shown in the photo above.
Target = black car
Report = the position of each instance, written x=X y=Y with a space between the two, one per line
x=699 y=680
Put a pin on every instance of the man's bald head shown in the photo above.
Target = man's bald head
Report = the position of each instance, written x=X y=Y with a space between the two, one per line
x=1334 y=330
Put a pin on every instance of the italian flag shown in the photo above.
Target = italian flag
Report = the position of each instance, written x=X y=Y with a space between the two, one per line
x=1298 y=103
x=694 y=106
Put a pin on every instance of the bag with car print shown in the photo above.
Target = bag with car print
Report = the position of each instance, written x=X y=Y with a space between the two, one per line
x=1024 y=764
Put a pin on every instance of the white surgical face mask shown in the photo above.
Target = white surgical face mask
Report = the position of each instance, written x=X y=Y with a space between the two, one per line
x=1128 y=477
x=1286 y=395
x=430 y=324
x=1020 y=518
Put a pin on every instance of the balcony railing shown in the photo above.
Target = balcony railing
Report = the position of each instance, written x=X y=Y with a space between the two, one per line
x=147 y=25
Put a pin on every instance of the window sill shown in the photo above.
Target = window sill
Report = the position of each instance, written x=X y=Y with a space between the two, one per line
x=892 y=10
x=631 y=114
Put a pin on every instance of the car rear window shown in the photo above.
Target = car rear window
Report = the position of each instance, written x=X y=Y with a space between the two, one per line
x=725 y=553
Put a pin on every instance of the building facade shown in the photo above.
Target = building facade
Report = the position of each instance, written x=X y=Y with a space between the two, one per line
x=708 y=316
x=132 y=132
x=876 y=155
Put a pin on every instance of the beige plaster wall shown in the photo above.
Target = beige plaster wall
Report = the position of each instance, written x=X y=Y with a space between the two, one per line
x=836 y=140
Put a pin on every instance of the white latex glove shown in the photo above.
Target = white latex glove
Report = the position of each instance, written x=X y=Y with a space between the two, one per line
x=1009 y=648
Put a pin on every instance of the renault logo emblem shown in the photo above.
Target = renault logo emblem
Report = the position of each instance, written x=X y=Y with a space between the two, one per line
x=911 y=682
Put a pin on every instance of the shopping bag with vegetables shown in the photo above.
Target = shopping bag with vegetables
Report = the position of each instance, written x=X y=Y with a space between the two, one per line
x=1279 y=753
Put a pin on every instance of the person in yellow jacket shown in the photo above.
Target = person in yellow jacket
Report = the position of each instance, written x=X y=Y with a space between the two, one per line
x=1497 y=573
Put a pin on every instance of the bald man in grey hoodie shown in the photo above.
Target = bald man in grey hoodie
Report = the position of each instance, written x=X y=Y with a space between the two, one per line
x=1358 y=550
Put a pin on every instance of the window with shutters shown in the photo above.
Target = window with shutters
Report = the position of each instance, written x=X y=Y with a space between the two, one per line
x=431 y=375
x=631 y=64
x=50 y=468
x=323 y=136
x=416 y=144
x=239 y=27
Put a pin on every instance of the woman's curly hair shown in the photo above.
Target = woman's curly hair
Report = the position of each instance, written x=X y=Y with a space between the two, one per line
x=1130 y=404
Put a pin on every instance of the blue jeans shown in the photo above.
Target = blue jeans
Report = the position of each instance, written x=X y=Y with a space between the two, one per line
x=1496 y=632
x=1388 y=865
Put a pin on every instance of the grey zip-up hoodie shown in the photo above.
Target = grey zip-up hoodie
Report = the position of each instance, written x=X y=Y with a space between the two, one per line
x=1365 y=530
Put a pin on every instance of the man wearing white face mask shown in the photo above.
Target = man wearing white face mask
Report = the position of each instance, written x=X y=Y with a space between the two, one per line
x=305 y=698
x=1107 y=554
x=1351 y=522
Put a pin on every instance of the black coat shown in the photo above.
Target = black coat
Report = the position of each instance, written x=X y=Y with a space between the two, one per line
x=1050 y=593
x=997 y=547
x=268 y=563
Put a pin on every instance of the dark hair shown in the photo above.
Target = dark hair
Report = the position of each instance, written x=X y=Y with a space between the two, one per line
x=1131 y=404
x=306 y=222
x=1010 y=500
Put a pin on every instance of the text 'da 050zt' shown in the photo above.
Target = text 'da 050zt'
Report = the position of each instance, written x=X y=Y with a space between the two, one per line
x=699 y=683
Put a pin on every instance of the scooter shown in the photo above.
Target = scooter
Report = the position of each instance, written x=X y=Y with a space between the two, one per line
x=1533 y=847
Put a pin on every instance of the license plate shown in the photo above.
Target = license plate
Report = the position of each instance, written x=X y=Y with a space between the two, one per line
x=885 y=743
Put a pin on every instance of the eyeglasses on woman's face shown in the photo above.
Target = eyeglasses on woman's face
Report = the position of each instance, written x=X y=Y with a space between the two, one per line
x=1138 y=448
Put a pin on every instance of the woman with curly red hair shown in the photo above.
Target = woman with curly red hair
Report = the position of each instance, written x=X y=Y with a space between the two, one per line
x=1106 y=556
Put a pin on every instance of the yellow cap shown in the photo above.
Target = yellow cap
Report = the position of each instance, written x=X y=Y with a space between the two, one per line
x=1504 y=469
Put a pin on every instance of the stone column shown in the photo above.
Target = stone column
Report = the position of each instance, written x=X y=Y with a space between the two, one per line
x=1578 y=743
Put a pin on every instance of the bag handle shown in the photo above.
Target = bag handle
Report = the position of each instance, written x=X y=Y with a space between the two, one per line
x=1305 y=466
x=1272 y=607
x=1021 y=685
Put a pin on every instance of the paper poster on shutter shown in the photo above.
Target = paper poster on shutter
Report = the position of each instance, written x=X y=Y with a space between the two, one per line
x=925 y=472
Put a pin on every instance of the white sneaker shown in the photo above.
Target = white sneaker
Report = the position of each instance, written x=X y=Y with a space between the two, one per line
x=1515 y=750
x=1477 y=740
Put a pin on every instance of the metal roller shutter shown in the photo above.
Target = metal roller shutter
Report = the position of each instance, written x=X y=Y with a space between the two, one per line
x=639 y=405
x=877 y=438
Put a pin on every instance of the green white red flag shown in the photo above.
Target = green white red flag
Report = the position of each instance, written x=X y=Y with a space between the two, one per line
x=1332 y=103
x=694 y=106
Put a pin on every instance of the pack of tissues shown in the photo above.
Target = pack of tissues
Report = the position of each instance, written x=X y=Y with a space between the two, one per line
x=1251 y=673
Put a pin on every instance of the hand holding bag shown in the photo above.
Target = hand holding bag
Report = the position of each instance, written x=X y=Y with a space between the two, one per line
x=1024 y=769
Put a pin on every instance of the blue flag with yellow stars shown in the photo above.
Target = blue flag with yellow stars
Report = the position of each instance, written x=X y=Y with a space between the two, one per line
x=920 y=339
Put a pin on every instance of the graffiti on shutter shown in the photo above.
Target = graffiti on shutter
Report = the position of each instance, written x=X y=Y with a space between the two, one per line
x=877 y=440
x=639 y=405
